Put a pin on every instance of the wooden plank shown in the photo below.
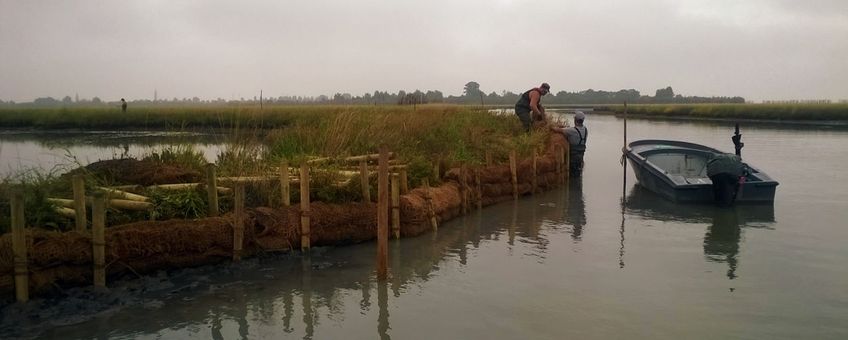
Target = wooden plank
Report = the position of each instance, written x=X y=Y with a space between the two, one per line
x=123 y=194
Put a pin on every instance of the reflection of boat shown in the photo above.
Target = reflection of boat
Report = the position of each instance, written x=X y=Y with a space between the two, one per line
x=678 y=171
x=643 y=203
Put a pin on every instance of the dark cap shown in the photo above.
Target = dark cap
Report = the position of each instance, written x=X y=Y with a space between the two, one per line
x=545 y=86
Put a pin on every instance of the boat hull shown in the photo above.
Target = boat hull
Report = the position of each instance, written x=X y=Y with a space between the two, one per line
x=759 y=188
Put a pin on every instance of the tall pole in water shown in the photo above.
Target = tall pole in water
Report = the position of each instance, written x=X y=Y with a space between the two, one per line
x=737 y=141
x=623 y=191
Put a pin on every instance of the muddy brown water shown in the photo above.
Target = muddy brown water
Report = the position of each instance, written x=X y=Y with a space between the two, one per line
x=568 y=263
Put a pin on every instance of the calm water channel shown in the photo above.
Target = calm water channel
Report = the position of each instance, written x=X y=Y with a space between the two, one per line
x=567 y=264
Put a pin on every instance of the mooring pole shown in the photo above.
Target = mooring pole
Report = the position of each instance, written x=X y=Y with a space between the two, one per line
x=19 y=247
x=383 y=214
x=78 y=183
x=431 y=213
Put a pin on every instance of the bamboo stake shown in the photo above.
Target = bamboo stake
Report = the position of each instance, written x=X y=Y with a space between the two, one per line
x=187 y=186
x=436 y=174
x=78 y=183
x=383 y=214
x=428 y=197
x=513 y=169
x=98 y=243
x=363 y=177
x=285 y=186
x=463 y=186
x=404 y=182
x=66 y=212
x=123 y=194
x=395 y=206
x=19 y=247
x=305 y=232
x=238 y=227
x=479 y=189
x=212 y=194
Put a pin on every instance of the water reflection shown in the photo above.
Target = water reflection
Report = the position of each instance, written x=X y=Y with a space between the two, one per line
x=575 y=208
x=724 y=233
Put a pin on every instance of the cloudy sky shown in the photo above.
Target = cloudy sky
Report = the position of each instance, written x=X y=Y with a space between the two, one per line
x=759 y=49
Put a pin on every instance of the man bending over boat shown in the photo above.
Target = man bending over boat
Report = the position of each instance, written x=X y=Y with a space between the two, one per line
x=576 y=136
x=529 y=107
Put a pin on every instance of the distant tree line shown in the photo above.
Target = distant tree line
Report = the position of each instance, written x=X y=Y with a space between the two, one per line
x=471 y=94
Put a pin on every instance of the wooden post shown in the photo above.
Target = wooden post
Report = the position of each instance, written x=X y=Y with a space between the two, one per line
x=428 y=197
x=463 y=186
x=396 y=206
x=558 y=158
x=513 y=169
x=98 y=242
x=212 y=189
x=238 y=225
x=479 y=189
x=383 y=214
x=305 y=213
x=285 y=189
x=363 y=177
x=404 y=182
x=535 y=180
x=78 y=183
x=19 y=247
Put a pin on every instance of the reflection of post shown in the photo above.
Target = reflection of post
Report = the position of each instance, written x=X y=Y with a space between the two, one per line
x=383 y=317
x=306 y=295
x=98 y=225
x=513 y=222
x=396 y=281
x=288 y=311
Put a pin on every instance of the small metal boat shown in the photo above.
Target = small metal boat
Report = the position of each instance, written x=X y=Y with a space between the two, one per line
x=678 y=171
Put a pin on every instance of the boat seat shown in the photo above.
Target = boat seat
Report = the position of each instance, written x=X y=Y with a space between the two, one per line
x=699 y=180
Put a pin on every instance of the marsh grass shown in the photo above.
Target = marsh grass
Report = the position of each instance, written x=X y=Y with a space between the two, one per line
x=812 y=112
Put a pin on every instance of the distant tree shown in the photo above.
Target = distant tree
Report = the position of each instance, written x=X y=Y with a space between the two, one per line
x=45 y=101
x=67 y=100
x=664 y=94
x=472 y=90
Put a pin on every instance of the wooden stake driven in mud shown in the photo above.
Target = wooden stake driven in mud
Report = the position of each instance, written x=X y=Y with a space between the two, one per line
x=404 y=182
x=212 y=189
x=305 y=242
x=513 y=170
x=463 y=187
x=98 y=242
x=479 y=189
x=566 y=155
x=238 y=225
x=78 y=183
x=396 y=206
x=428 y=197
x=383 y=214
x=535 y=180
x=436 y=168
x=19 y=247
x=285 y=189
x=363 y=177
x=558 y=161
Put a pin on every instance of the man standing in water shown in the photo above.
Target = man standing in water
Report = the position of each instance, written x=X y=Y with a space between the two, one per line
x=576 y=137
x=529 y=107
x=123 y=105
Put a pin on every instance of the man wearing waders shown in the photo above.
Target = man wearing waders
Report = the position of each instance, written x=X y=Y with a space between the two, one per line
x=529 y=107
x=727 y=172
x=576 y=137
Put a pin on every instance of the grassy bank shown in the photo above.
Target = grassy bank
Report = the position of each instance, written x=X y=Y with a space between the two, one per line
x=806 y=112
x=259 y=139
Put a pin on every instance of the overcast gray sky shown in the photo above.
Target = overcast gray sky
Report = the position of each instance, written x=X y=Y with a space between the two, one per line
x=759 y=49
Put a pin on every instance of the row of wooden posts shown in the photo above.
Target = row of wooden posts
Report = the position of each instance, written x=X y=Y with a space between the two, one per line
x=385 y=204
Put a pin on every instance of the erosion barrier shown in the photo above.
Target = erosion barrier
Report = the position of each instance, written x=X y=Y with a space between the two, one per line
x=45 y=261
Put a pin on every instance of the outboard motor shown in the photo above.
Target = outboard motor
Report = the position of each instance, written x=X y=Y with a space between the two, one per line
x=725 y=171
